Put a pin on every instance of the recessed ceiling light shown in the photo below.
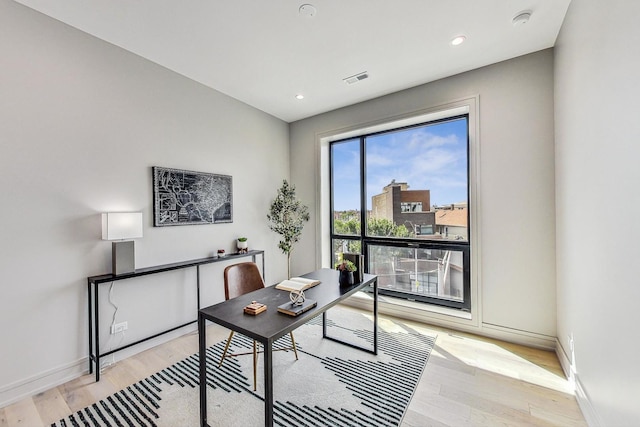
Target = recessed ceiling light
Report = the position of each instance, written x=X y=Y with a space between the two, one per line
x=299 y=96
x=458 y=40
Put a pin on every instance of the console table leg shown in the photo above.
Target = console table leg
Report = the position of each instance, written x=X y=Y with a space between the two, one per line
x=97 y=329
x=90 y=327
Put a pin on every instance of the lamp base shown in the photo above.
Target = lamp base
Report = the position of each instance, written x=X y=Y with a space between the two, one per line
x=123 y=257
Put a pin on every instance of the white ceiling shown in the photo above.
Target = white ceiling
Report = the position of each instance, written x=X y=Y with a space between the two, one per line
x=265 y=52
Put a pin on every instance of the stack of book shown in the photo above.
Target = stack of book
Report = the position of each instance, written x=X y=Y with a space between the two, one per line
x=295 y=310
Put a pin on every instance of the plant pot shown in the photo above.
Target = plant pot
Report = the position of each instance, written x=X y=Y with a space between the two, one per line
x=345 y=278
x=242 y=245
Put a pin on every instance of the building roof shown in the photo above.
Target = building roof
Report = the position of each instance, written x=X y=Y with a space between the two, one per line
x=452 y=217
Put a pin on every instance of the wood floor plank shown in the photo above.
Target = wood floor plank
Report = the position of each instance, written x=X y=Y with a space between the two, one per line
x=416 y=419
x=23 y=413
x=122 y=373
x=481 y=418
x=3 y=419
x=77 y=393
x=558 y=415
x=51 y=405
x=101 y=389
x=445 y=411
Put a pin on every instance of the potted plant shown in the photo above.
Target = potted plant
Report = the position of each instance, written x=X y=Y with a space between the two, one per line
x=287 y=216
x=346 y=269
x=242 y=244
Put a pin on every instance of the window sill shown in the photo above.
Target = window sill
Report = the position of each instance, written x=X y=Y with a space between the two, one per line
x=410 y=309
x=430 y=308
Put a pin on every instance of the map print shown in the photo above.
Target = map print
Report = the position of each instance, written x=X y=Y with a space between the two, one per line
x=184 y=197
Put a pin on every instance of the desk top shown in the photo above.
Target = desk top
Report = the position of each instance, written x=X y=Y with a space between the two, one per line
x=271 y=325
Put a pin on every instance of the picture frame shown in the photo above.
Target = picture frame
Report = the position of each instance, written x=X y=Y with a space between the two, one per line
x=183 y=197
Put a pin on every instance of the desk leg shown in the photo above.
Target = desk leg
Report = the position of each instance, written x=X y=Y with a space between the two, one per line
x=202 y=339
x=375 y=317
x=268 y=383
x=375 y=326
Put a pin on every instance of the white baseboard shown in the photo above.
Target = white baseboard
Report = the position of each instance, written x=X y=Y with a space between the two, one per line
x=529 y=339
x=43 y=381
x=461 y=322
x=46 y=380
x=565 y=362
x=589 y=412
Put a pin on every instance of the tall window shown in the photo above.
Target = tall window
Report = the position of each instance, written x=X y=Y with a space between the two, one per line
x=400 y=197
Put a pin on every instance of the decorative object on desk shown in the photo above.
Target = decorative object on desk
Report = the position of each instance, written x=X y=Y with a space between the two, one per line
x=118 y=226
x=297 y=297
x=292 y=309
x=318 y=382
x=346 y=269
x=255 y=308
x=297 y=284
x=221 y=253
x=287 y=216
x=358 y=261
x=242 y=245
x=182 y=197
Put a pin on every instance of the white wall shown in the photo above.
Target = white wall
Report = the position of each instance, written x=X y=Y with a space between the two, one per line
x=81 y=124
x=515 y=194
x=597 y=149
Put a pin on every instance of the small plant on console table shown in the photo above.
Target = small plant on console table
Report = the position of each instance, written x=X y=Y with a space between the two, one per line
x=242 y=245
x=287 y=217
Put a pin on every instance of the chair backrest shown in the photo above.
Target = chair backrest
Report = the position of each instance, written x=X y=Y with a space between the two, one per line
x=241 y=278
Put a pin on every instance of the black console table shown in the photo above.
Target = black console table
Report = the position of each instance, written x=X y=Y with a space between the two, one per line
x=93 y=287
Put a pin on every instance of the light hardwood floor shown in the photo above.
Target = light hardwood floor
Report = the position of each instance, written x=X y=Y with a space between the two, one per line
x=468 y=381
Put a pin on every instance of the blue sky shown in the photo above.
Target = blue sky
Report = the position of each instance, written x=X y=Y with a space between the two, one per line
x=430 y=157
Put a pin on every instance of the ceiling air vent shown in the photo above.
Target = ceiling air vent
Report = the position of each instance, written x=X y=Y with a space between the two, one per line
x=356 y=78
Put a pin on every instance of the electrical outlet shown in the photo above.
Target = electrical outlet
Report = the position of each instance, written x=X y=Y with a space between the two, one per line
x=571 y=348
x=119 y=327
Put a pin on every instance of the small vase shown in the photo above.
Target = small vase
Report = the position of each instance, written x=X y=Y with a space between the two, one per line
x=345 y=278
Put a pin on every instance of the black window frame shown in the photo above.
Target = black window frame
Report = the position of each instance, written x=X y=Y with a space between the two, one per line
x=367 y=241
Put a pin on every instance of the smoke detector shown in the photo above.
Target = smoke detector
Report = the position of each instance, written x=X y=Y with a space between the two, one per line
x=521 y=18
x=307 y=10
x=356 y=78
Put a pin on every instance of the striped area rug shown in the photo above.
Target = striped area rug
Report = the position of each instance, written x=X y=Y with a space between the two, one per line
x=330 y=385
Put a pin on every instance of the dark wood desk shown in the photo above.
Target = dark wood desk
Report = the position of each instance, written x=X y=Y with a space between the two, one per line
x=268 y=326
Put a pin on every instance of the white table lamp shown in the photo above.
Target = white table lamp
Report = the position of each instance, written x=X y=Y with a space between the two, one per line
x=119 y=226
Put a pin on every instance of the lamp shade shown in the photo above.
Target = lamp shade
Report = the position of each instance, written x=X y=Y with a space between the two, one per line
x=121 y=225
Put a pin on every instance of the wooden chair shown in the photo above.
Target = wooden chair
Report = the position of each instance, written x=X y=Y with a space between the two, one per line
x=240 y=279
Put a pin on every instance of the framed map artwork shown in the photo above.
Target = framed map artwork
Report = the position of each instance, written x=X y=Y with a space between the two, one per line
x=182 y=197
